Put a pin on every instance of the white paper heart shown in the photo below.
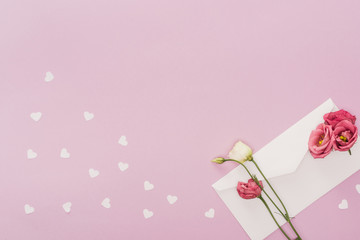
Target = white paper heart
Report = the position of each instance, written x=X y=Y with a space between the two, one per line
x=64 y=153
x=36 y=116
x=343 y=204
x=147 y=213
x=67 y=207
x=357 y=188
x=29 y=209
x=210 y=213
x=123 y=141
x=148 y=186
x=93 y=173
x=171 y=199
x=106 y=203
x=123 y=166
x=31 y=154
x=88 y=116
x=49 y=77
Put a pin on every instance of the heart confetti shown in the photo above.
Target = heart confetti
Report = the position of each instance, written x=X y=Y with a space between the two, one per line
x=31 y=154
x=67 y=207
x=210 y=213
x=344 y=204
x=49 y=77
x=148 y=186
x=64 y=153
x=93 y=173
x=171 y=199
x=123 y=166
x=36 y=116
x=123 y=141
x=106 y=203
x=147 y=213
x=29 y=209
x=88 y=116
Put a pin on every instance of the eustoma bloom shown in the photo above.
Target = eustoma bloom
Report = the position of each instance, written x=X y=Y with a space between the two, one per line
x=320 y=142
x=345 y=135
x=338 y=132
x=334 y=118
x=242 y=153
x=249 y=190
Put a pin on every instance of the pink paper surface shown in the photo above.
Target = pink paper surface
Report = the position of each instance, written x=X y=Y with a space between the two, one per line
x=182 y=80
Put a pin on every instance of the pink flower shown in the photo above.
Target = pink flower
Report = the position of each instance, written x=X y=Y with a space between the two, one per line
x=320 y=141
x=334 y=118
x=345 y=135
x=249 y=190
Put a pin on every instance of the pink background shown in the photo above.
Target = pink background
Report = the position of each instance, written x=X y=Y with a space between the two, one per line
x=182 y=80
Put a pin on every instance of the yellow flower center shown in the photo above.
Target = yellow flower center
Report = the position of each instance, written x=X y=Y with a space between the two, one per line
x=343 y=138
x=321 y=139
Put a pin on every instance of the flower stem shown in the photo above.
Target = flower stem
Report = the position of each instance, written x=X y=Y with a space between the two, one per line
x=261 y=198
x=349 y=151
x=258 y=185
x=287 y=218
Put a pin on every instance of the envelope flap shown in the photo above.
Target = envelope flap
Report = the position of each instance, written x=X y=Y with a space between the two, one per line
x=284 y=153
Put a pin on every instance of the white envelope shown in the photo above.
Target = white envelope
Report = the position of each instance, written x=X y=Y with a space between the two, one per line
x=297 y=177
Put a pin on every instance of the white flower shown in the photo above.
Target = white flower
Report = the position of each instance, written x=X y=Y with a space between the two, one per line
x=241 y=152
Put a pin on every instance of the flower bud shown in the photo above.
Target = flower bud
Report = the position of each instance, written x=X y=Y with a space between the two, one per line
x=218 y=160
x=241 y=152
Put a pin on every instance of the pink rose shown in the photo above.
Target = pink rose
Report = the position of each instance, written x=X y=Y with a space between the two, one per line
x=249 y=190
x=320 y=141
x=334 y=118
x=345 y=135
